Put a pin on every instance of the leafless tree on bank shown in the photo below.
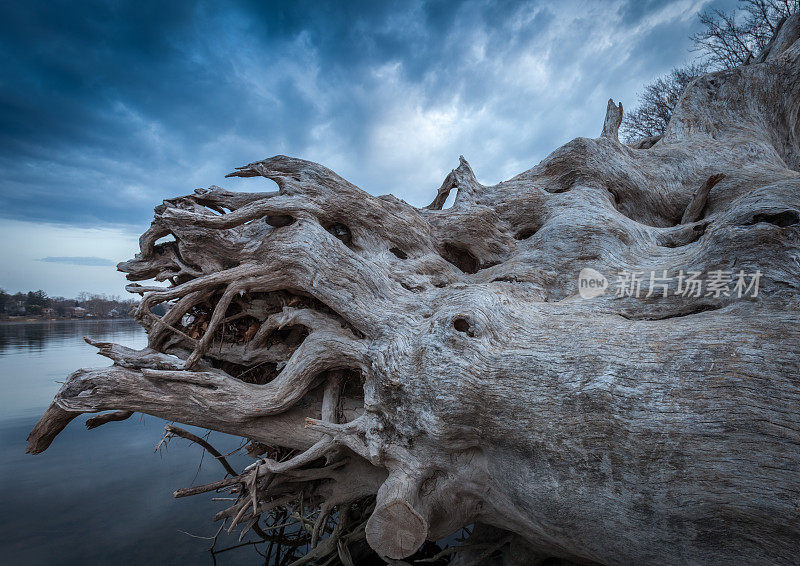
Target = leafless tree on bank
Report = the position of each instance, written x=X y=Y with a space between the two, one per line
x=657 y=103
x=729 y=39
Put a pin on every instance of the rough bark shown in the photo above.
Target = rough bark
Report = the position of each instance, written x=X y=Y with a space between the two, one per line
x=442 y=361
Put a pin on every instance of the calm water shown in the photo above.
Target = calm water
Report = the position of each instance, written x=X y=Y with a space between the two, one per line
x=101 y=496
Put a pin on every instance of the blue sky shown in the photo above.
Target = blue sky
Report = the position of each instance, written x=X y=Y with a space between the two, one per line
x=110 y=107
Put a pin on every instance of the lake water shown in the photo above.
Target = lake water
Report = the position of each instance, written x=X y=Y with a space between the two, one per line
x=97 y=496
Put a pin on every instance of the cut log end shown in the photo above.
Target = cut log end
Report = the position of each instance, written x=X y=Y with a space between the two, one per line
x=396 y=530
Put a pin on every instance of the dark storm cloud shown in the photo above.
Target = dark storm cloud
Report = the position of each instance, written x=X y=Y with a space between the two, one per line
x=108 y=107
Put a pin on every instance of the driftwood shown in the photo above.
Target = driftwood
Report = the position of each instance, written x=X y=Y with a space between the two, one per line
x=445 y=365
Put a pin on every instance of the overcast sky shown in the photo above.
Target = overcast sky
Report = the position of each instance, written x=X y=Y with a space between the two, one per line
x=110 y=107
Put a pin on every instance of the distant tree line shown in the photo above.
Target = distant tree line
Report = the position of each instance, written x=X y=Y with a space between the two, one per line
x=38 y=304
x=730 y=39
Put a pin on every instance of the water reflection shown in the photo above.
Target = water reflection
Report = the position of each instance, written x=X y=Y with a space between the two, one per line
x=37 y=336
x=100 y=496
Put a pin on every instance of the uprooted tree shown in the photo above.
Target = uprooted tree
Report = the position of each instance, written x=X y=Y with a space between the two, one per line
x=440 y=365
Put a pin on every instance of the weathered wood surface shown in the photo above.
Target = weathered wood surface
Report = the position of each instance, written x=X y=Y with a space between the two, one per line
x=448 y=365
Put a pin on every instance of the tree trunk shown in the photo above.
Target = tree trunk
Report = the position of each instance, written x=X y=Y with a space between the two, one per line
x=446 y=363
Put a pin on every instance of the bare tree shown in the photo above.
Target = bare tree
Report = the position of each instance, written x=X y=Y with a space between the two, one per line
x=729 y=39
x=657 y=103
x=735 y=38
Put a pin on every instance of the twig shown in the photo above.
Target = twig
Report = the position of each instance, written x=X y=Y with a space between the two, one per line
x=187 y=491
x=172 y=328
x=177 y=431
